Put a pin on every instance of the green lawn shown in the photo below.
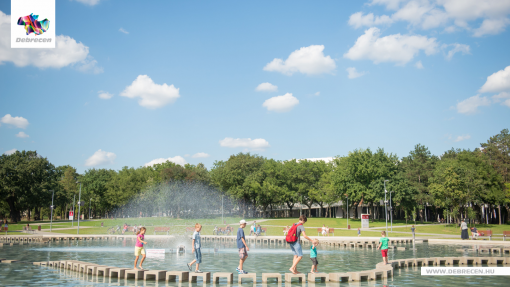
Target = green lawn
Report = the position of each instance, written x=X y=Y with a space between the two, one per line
x=336 y=222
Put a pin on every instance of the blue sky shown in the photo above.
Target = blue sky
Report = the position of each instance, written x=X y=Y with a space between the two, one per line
x=182 y=79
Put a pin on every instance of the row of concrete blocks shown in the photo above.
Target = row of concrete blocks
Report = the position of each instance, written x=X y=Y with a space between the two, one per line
x=272 y=240
x=20 y=239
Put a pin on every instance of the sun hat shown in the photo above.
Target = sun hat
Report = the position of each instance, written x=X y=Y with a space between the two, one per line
x=242 y=221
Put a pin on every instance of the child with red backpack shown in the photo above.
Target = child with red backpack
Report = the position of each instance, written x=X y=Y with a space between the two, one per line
x=293 y=238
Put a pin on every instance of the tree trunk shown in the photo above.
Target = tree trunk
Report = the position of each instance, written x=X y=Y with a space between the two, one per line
x=499 y=216
x=421 y=216
x=14 y=213
x=28 y=213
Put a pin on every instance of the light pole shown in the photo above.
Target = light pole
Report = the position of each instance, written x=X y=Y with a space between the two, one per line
x=222 y=209
x=391 y=212
x=90 y=205
x=386 y=206
x=52 y=195
x=72 y=220
x=79 y=207
x=347 y=208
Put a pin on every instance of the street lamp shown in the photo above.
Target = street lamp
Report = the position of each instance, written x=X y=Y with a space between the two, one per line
x=386 y=205
x=79 y=207
x=72 y=220
x=90 y=205
x=391 y=211
x=347 y=208
x=52 y=195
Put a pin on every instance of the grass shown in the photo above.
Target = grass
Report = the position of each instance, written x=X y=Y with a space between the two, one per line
x=338 y=222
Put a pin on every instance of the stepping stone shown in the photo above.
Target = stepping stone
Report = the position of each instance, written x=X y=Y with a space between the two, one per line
x=496 y=250
x=118 y=272
x=9 y=261
x=227 y=275
x=466 y=261
x=359 y=276
x=35 y=263
x=289 y=276
x=324 y=277
x=401 y=248
x=103 y=271
x=89 y=268
x=206 y=276
x=497 y=260
x=134 y=273
x=252 y=276
x=339 y=277
x=157 y=275
x=266 y=276
x=376 y=274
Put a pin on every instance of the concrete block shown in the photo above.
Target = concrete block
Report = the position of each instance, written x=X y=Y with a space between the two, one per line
x=103 y=271
x=375 y=274
x=88 y=268
x=227 y=275
x=9 y=261
x=481 y=260
x=252 y=276
x=496 y=250
x=429 y=261
x=134 y=274
x=401 y=248
x=157 y=275
x=506 y=250
x=35 y=263
x=324 y=277
x=387 y=271
x=206 y=276
x=465 y=261
x=497 y=260
x=266 y=276
x=484 y=250
x=171 y=276
x=118 y=272
x=289 y=276
x=359 y=276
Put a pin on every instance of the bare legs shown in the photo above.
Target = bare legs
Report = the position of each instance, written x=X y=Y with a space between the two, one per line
x=295 y=262
x=241 y=262
x=141 y=261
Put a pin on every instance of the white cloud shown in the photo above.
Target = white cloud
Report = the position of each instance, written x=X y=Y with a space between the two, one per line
x=67 y=52
x=497 y=82
x=470 y=105
x=357 y=20
x=104 y=95
x=491 y=27
x=353 y=74
x=390 y=4
x=176 y=159
x=307 y=60
x=502 y=97
x=151 y=95
x=317 y=94
x=100 y=157
x=419 y=65
x=281 y=104
x=457 y=48
x=19 y=122
x=89 y=2
x=123 y=31
x=11 y=151
x=200 y=155
x=256 y=144
x=393 y=48
x=266 y=87
x=462 y=138
x=22 y=135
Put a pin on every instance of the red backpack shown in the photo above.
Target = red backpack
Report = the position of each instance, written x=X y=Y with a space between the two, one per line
x=292 y=234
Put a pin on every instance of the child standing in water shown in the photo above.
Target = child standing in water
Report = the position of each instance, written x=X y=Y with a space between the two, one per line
x=195 y=248
x=139 y=246
x=383 y=245
x=313 y=255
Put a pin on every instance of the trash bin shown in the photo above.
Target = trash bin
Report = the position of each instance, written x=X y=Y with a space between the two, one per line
x=39 y=228
x=349 y=226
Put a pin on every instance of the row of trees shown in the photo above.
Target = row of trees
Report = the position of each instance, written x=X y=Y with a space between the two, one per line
x=460 y=183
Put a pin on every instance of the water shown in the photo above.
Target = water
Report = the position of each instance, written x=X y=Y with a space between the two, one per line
x=262 y=259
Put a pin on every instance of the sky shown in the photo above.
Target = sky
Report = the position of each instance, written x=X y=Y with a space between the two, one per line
x=132 y=83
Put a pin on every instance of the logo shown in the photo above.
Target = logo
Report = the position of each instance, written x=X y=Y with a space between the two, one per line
x=32 y=25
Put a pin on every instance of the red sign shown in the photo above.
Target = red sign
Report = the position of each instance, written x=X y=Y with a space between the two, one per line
x=71 y=213
x=365 y=216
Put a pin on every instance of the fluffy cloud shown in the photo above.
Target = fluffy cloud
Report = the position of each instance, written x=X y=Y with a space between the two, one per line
x=123 y=31
x=200 y=155
x=281 y=104
x=462 y=138
x=104 y=95
x=353 y=74
x=22 y=135
x=89 y=2
x=503 y=98
x=19 y=122
x=497 y=82
x=419 y=65
x=151 y=95
x=357 y=20
x=457 y=48
x=429 y=14
x=470 y=105
x=397 y=48
x=266 y=87
x=11 y=151
x=307 y=60
x=317 y=94
x=176 y=159
x=67 y=52
x=248 y=143
x=100 y=157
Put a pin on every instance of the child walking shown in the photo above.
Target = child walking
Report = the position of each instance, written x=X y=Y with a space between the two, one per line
x=313 y=255
x=243 y=247
x=359 y=232
x=196 y=246
x=383 y=245
x=139 y=247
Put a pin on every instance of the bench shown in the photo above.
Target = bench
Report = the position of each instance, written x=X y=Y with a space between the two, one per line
x=505 y=234
x=263 y=230
x=190 y=229
x=28 y=229
x=332 y=231
x=485 y=233
x=162 y=229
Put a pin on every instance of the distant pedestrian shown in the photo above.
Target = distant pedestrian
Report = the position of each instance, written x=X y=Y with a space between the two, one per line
x=253 y=228
x=313 y=255
x=242 y=246
x=139 y=250
x=413 y=231
x=293 y=238
x=383 y=245
x=464 y=230
x=196 y=246
x=324 y=231
x=359 y=232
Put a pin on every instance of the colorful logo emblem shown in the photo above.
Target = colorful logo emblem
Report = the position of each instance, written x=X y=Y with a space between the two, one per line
x=32 y=25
